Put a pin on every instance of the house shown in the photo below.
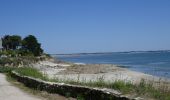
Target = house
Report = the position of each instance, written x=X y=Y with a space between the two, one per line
x=1 y=44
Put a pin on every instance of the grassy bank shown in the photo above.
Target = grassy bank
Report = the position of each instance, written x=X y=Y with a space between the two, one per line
x=142 y=89
x=28 y=71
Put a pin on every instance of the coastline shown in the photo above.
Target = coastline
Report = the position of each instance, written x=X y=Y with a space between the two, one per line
x=93 y=72
x=154 y=63
x=106 y=77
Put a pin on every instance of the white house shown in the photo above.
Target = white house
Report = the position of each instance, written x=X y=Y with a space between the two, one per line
x=1 y=44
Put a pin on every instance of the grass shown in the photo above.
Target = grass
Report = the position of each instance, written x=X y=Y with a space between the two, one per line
x=32 y=72
x=143 y=89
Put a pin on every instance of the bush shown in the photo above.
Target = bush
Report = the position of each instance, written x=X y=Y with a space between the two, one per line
x=25 y=53
x=4 y=61
x=6 y=69
x=10 y=61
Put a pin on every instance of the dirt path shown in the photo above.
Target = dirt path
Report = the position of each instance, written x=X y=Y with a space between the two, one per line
x=10 y=92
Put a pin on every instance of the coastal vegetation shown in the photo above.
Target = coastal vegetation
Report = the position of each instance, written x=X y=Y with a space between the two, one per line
x=18 y=51
x=14 y=45
x=6 y=69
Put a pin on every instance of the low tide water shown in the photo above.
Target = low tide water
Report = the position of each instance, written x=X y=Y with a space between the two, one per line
x=155 y=63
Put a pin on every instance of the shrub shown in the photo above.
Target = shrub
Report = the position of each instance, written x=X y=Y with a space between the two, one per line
x=4 y=61
x=6 y=69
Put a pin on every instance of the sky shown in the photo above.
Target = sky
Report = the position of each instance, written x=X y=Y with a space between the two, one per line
x=76 y=26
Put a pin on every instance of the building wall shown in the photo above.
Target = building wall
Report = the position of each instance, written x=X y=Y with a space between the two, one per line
x=1 y=44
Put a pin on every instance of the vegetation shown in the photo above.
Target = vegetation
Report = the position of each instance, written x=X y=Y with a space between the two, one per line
x=11 y=42
x=31 y=44
x=20 y=61
x=141 y=89
x=6 y=69
x=32 y=72
x=15 y=46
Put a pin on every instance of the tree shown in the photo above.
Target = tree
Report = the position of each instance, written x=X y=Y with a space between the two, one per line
x=31 y=44
x=11 y=42
x=15 y=41
x=6 y=42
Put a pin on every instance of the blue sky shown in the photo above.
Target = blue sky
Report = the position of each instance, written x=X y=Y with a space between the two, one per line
x=73 y=26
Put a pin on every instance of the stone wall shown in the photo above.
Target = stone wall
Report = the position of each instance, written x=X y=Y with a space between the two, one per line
x=69 y=90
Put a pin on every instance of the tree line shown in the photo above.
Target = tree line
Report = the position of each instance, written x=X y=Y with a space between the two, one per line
x=29 y=44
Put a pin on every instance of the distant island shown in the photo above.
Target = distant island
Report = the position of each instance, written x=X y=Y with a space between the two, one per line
x=73 y=54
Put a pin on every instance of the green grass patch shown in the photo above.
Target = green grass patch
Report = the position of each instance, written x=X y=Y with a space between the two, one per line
x=32 y=72
x=6 y=69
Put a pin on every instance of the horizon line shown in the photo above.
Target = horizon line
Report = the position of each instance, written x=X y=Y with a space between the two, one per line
x=107 y=52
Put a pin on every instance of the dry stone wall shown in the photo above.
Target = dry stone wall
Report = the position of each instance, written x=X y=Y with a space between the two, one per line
x=74 y=91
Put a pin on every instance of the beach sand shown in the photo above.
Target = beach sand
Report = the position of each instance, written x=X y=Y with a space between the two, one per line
x=92 y=72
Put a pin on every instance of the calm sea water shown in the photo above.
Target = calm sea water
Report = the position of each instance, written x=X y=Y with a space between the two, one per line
x=154 y=63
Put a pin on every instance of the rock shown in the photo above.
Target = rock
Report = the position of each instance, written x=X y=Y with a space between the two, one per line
x=138 y=98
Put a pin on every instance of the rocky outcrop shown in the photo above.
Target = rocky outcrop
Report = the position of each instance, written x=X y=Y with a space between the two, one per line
x=74 y=91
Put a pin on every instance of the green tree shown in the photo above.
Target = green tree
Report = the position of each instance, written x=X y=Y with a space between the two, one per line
x=11 y=42
x=15 y=41
x=31 y=44
x=6 y=42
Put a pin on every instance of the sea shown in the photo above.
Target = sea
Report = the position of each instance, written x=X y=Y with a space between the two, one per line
x=155 y=63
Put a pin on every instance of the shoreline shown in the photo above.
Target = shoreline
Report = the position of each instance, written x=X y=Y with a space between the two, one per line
x=102 y=76
x=154 y=63
x=93 y=72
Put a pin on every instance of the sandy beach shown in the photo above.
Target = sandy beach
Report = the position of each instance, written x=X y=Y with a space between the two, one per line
x=92 y=72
